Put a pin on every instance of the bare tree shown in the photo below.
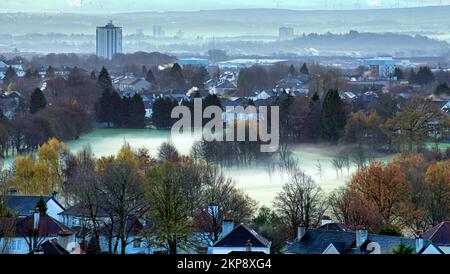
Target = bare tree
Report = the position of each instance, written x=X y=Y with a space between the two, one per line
x=224 y=201
x=300 y=202
x=123 y=198
x=83 y=190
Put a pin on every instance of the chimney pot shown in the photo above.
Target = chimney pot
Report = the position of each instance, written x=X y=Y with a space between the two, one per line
x=301 y=231
x=419 y=244
x=248 y=246
x=13 y=192
x=36 y=218
x=227 y=227
x=361 y=236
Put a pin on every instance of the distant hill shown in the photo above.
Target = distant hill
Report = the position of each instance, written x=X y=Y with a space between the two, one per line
x=431 y=21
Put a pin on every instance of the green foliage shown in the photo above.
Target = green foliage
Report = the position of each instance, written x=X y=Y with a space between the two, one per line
x=161 y=112
x=10 y=77
x=442 y=88
x=390 y=231
x=423 y=76
x=42 y=206
x=292 y=71
x=122 y=112
x=403 y=249
x=150 y=77
x=104 y=80
x=333 y=118
x=398 y=73
x=199 y=78
x=37 y=101
x=93 y=246
x=50 y=73
x=253 y=78
x=177 y=80
x=304 y=69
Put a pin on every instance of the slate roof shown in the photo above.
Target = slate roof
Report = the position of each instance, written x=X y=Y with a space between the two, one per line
x=48 y=227
x=439 y=234
x=239 y=237
x=133 y=227
x=434 y=246
x=226 y=84
x=317 y=240
x=79 y=211
x=25 y=205
x=335 y=227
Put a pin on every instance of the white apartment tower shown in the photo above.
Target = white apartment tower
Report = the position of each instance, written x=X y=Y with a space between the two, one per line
x=109 y=41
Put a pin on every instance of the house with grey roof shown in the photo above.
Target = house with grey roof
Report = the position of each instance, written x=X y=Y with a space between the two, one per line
x=24 y=206
x=240 y=239
x=339 y=240
x=439 y=239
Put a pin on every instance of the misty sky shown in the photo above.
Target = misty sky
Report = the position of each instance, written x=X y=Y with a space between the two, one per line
x=109 y=6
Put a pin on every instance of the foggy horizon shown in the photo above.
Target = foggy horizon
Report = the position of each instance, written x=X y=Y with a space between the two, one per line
x=97 y=7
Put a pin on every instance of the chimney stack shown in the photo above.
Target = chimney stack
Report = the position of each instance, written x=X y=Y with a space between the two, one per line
x=361 y=236
x=301 y=231
x=13 y=192
x=227 y=227
x=248 y=246
x=36 y=217
x=419 y=244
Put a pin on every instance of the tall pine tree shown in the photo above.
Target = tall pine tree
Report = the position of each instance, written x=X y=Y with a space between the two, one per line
x=333 y=117
x=37 y=101
x=10 y=77
x=137 y=111
x=105 y=107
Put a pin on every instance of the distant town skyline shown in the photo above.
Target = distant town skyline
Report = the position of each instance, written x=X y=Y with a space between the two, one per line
x=116 y=6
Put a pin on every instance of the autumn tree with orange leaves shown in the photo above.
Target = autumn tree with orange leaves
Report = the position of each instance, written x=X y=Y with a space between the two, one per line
x=378 y=195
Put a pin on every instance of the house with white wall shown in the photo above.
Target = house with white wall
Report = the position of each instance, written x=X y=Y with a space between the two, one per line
x=240 y=239
x=439 y=238
x=24 y=235
x=24 y=206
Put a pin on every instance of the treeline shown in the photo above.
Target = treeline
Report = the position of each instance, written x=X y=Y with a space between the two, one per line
x=177 y=78
x=163 y=106
x=65 y=120
x=229 y=154
x=406 y=196
x=257 y=78
x=410 y=193
x=130 y=62
x=113 y=109
x=386 y=127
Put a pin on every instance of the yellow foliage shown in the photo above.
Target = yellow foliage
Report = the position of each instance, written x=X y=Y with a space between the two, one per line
x=43 y=176
x=24 y=173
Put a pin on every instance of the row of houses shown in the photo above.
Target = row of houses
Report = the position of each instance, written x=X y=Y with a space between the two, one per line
x=64 y=231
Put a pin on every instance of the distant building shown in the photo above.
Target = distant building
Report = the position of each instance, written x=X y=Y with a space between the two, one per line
x=131 y=85
x=237 y=64
x=193 y=62
x=285 y=33
x=158 y=32
x=139 y=32
x=381 y=67
x=109 y=41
